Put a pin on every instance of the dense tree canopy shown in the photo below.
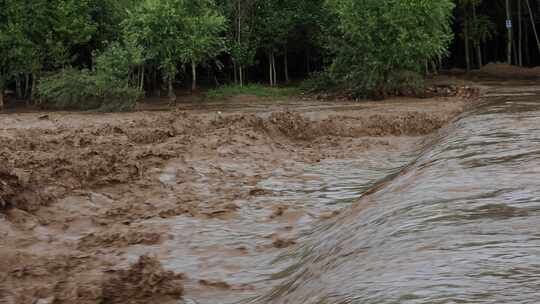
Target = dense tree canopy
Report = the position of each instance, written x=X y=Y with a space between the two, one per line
x=377 y=43
x=150 y=46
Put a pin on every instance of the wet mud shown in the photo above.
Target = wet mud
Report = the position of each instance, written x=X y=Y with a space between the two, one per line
x=162 y=207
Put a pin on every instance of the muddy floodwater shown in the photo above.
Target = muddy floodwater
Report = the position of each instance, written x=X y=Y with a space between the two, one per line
x=458 y=225
x=403 y=201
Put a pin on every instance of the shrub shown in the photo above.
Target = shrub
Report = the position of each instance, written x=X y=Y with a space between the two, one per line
x=74 y=89
x=319 y=82
x=380 y=45
x=70 y=89
x=107 y=87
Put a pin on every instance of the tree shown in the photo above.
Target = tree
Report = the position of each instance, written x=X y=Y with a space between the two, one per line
x=383 y=43
x=476 y=30
x=202 y=34
x=275 y=20
x=175 y=32
x=241 y=41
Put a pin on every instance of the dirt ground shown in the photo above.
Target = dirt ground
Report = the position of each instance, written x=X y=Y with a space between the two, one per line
x=498 y=72
x=163 y=207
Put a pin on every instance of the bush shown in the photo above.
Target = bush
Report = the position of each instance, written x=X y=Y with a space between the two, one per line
x=319 y=82
x=380 y=45
x=70 y=89
x=74 y=89
x=107 y=88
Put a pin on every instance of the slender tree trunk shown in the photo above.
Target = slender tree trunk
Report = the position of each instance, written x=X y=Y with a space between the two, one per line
x=520 y=35
x=18 y=88
x=533 y=24
x=477 y=44
x=241 y=73
x=33 y=89
x=479 y=55
x=514 y=50
x=154 y=82
x=527 y=55
x=270 y=69
x=274 y=68
x=509 y=31
x=172 y=95
x=496 y=50
x=466 y=37
x=1 y=96
x=194 y=76
x=26 y=93
x=286 y=66
x=477 y=41
x=141 y=84
x=308 y=61
x=239 y=41
x=235 y=72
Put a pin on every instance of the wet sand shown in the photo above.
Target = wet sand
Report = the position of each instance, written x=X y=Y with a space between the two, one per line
x=147 y=207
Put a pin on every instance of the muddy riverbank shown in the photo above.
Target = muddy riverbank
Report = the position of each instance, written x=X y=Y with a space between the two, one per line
x=153 y=206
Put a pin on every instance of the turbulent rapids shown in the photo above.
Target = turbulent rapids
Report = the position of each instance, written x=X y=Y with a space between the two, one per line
x=459 y=225
x=320 y=204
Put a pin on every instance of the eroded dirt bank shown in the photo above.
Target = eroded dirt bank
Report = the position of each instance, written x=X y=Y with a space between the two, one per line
x=148 y=207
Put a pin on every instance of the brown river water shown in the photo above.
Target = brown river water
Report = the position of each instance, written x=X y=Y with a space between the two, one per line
x=460 y=224
x=244 y=212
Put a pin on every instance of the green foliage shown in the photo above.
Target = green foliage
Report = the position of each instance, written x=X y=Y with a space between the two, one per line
x=70 y=89
x=174 y=32
x=318 y=82
x=75 y=89
x=107 y=87
x=116 y=63
x=242 y=42
x=379 y=40
x=252 y=89
x=203 y=26
x=92 y=53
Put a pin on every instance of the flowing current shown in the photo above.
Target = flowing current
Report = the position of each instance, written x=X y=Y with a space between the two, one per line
x=459 y=225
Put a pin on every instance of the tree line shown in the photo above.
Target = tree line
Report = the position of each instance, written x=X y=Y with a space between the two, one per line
x=109 y=53
x=499 y=30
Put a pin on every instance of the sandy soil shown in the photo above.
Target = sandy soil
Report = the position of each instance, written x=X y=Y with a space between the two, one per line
x=151 y=207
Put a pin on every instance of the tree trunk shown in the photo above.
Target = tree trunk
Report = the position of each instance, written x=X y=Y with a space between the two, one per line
x=172 y=95
x=239 y=41
x=286 y=67
x=18 y=89
x=520 y=35
x=514 y=51
x=274 y=68
x=308 y=61
x=496 y=50
x=194 y=75
x=527 y=55
x=466 y=38
x=235 y=72
x=241 y=72
x=477 y=41
x=26 y=86
x=141 y=83
x=1 y=99
x=479 y=55
x=271 y=70
x=509 y=31
x=533 y=24
x=33 y=89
